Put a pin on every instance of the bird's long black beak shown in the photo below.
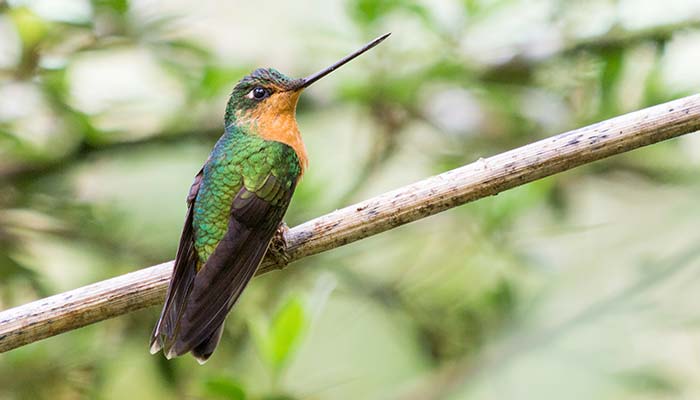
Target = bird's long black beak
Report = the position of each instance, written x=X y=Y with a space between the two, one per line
x=306 y=82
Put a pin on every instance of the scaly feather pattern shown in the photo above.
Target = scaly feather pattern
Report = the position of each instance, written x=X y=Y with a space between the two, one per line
x=241 y=196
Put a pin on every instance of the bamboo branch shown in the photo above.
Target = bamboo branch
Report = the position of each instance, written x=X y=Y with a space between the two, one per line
x=63 y=312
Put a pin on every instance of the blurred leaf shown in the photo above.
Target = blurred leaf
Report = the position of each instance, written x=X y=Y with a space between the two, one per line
x=647 y=380
x=278 y=340
x=655 y=91
x=287 y=327
x=56 y=89
x=188 y=47
x=502 y=298
x=222 y=387
x=31 y=28
x=612 y=68
x=501 y=210
x=477 y=7
x=119 y=6
x=216 y=78
x=370 y=11
x=8 y=140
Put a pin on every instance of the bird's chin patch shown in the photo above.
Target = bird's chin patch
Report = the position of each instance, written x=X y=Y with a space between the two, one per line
x=284 y=102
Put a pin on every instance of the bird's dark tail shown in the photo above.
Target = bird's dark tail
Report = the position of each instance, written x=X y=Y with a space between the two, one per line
x=181 y=282
x=204 y=350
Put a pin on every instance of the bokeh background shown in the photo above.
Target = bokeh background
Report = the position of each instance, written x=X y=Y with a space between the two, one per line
x=583 y=285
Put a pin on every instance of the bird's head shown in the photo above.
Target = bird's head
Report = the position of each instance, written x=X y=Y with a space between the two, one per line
x=266 y=99
x=264 y=94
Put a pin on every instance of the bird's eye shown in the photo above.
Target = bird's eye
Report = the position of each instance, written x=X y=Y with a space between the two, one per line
x=259 y=93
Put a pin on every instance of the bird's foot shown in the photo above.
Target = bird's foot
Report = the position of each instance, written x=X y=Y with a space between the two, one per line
x=278 y=246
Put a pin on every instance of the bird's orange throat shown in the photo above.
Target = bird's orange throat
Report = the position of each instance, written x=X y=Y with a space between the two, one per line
x=275 y=119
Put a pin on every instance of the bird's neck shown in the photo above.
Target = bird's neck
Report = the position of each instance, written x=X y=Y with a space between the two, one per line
x=283 y=128
x=272 y=119
x=279 y=128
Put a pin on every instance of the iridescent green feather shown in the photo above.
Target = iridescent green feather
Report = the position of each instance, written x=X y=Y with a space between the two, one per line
x=235 y=204
x=238 y=160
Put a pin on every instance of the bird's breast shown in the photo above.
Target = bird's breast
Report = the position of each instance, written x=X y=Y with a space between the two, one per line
x=275 y=119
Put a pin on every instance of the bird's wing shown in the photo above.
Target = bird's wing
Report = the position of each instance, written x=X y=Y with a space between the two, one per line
x=256 y=212
x=182 y=277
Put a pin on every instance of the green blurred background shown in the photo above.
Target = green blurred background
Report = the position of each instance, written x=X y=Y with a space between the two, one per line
x=579 y=286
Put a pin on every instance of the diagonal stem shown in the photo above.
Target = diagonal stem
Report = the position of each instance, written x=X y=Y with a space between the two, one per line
x=71 y=310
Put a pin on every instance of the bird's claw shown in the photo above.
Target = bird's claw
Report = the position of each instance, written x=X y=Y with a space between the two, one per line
x=278 y=246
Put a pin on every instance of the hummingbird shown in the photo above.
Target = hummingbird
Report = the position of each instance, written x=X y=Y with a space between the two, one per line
x=234 y=208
